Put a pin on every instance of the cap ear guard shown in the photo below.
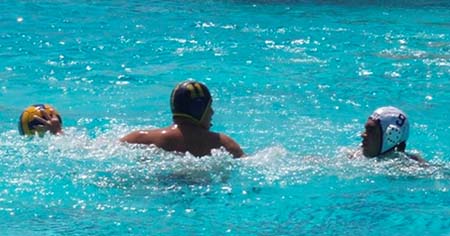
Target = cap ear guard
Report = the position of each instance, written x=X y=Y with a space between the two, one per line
x=392 y=135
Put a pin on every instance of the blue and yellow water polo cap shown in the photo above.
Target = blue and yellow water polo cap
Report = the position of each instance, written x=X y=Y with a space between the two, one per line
x=190 y=99
x=28 y=123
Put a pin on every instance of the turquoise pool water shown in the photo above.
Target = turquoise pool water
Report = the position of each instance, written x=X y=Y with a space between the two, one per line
x=293 y=82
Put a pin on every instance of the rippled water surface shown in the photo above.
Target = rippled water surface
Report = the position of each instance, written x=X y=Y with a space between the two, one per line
x=292 y=81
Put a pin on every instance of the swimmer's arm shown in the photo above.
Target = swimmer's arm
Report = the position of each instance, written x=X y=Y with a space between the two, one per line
x=158 y=137
x=231 y=146
x=129 y=138
x=50 y=123
x=417 y=158
x=351 y=153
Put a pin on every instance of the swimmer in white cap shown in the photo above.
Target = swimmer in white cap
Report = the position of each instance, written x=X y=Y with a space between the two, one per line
x=386 y=132
x=192 y=113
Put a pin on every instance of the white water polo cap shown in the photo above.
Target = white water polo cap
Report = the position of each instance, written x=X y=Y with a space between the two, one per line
x=394 y=127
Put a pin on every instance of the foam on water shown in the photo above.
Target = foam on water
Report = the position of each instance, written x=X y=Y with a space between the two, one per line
x=82 y=175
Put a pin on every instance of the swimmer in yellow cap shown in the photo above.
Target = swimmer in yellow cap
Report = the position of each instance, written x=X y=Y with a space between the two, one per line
x=39 y=119
x=386 y=133
x=192 y=114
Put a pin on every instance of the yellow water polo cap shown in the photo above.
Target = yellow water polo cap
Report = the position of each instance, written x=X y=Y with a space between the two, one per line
x=28 y=123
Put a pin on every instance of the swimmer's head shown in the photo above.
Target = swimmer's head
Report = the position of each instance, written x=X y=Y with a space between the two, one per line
x=394 y=127
x=192 y=100
x=29 y=125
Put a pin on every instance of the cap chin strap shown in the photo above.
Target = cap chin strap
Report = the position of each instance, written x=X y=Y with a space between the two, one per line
x=191 y=118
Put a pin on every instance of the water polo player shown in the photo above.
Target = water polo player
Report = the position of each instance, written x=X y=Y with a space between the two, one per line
x=386 y=132
x=38 y=119
x=190 y=104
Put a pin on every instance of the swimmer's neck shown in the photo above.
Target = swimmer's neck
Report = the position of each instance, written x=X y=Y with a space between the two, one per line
x=181 y=122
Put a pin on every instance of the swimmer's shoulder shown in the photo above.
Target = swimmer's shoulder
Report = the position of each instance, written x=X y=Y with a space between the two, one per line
x=231 y=146
x=155 y=136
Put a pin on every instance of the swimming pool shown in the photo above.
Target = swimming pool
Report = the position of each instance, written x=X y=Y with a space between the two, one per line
x=293 y=82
